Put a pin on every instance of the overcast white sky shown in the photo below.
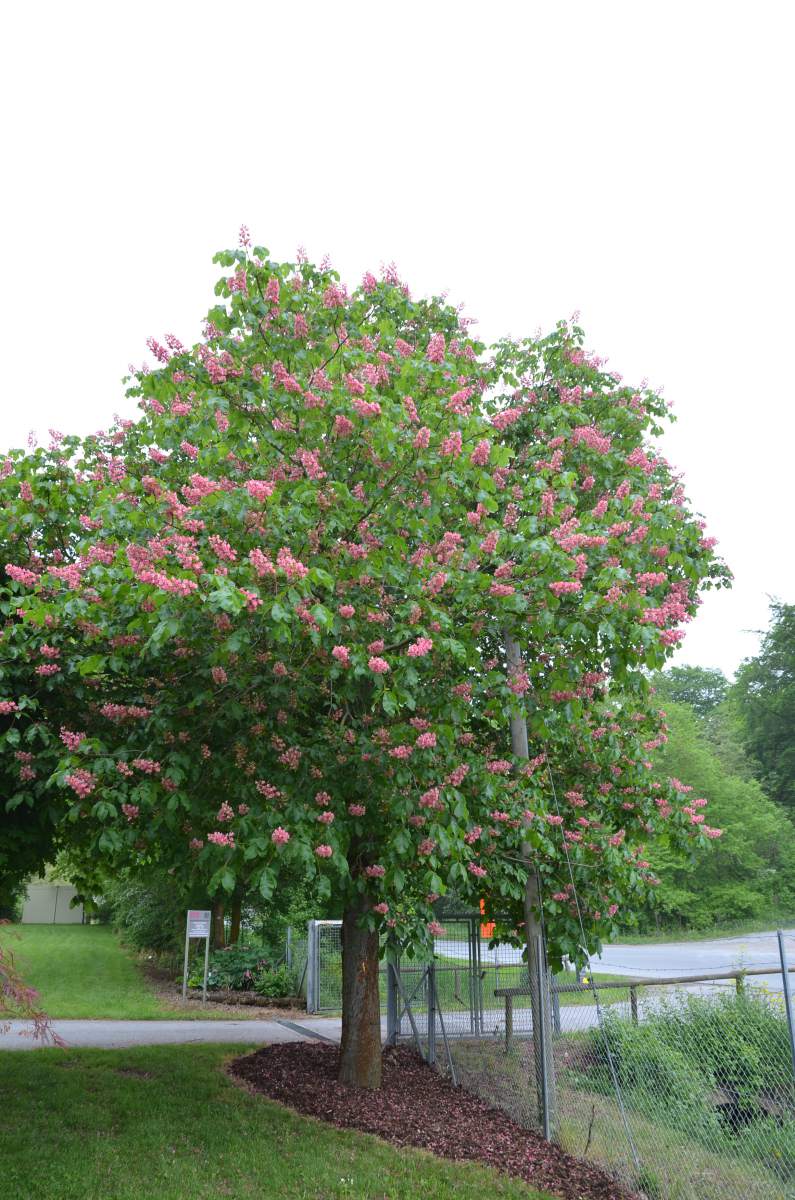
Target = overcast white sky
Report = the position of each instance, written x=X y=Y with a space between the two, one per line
x=632 y=161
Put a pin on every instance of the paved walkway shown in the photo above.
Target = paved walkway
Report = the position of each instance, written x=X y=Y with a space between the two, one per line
x=108 y=1035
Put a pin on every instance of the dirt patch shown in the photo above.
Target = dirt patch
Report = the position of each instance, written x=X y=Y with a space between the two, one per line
x=136 y=1072
x=417 y=1107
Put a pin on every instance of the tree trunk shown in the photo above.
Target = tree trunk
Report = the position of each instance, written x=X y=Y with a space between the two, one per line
x=234 y=928
x=360 y=1049
x=219 y=932
x=537 y=974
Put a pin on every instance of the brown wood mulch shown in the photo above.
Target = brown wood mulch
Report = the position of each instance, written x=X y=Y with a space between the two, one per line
x=418 y=1107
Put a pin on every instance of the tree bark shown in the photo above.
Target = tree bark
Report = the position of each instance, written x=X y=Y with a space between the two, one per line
x=537 y=974
x=360 y=1049
x=219 y=932
x=234 y=928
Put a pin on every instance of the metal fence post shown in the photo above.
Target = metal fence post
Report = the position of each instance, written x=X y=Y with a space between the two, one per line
x=787 y=997
x=312 y=977
x=288 y=950
x=431 y=974
x=541 y=1034
x=391 y=1002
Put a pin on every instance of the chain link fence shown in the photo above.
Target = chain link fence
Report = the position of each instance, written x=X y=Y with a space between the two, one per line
x=683 y=1089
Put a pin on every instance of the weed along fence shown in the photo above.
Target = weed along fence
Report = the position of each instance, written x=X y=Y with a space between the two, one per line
x=683 y=1086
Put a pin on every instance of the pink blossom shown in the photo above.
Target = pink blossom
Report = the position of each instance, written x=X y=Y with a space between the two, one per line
x=260 y=489
x=499 y=766
x=219 y=675
x=221 y=839
x=379 y=666
x=292 y=568
x=421 y=647
x=342 y=655
x=225 y=812
x=21 y=575
x=426 y=847
x=347 y=611
x=326 y=818
x=565 y=587
x=356 y=810
x=130 y=811
x=381 y=908
x=8 y=706
x=426 y=741
x=323 y=851
x=375 y=872
x=422 y=438
x=82 y=782
x=452 y=445
x=147 y=765
x=195 y=844
x=436 y=346
x=480 y=455
x=25 y=491
x=343 y=427
x=474 y=869
x=280 y=836
x=435 y=929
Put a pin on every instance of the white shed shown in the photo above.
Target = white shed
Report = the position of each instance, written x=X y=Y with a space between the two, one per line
x=48 y=904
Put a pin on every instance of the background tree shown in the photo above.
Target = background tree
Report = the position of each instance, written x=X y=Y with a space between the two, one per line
x=750 y=870
x=764 y=692
x=279 y=625
x=702 y=688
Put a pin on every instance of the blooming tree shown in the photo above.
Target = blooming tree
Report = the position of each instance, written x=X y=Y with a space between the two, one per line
x=264 y=625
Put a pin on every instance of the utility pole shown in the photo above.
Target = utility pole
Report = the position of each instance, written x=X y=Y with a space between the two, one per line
x=538 y=978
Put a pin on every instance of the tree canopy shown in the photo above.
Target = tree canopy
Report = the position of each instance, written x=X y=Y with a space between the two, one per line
x=263 y=626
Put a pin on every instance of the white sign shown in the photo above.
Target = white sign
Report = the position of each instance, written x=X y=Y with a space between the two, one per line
x=199 y=923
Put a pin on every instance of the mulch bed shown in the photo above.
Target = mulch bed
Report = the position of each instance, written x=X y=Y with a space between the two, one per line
x=170 y=993
x=418 y=1107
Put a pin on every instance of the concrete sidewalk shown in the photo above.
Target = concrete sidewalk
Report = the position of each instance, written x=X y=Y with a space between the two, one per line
x=108 y=1035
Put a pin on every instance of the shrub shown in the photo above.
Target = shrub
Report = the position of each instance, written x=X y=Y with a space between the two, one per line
x=235 y=967
x=275 y=981
x=148 y=913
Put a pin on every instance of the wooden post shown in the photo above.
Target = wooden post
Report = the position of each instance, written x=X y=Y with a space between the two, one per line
x=633 y=1004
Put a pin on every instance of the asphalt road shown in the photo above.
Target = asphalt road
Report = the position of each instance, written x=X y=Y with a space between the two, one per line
x=667 y=959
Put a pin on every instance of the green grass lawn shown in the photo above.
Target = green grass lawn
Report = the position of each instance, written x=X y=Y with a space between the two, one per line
x=81 y=971
x=165 y=1123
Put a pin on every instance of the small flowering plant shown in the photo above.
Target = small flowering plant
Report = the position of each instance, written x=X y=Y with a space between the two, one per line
x=293 y=575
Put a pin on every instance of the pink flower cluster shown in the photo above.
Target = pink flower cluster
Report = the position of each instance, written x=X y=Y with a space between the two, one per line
x=130 y=811
x=147 y=765
x=82 y=782
x=421 y=647
x=280 y=837
x=221 y=839
x=323 y=851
